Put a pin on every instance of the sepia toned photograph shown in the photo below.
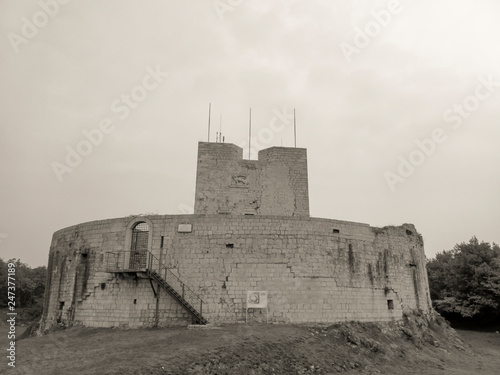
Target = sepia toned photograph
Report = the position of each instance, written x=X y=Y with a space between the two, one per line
x=226 y=187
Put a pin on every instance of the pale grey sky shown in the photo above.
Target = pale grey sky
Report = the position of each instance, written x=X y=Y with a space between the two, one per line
x=398 y=104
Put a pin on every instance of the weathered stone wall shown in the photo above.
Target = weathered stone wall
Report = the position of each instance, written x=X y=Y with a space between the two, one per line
x=315 y=270
x=275 y=184
x=79 y=291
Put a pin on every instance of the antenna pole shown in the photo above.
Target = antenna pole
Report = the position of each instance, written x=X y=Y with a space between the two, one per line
x=220 y=128
x=250 y=134
x=294 y=129
x=209 y=110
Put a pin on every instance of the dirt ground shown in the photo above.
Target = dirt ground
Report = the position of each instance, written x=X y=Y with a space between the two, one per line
x=414 y=347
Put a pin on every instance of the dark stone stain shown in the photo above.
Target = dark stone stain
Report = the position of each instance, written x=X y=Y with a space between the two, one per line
x=370 y=273
x=83 y=272
x=386 y=262
x=378 y=265
x=415 y=278
x=415 y=287
x=48 y=284
x=351 y=259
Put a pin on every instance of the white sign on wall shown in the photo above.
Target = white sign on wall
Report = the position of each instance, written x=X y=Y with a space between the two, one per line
x=256 y=299
x=184 y=228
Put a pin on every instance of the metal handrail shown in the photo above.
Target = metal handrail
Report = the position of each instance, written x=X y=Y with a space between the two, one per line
x=121 y=261
x=156 y=265
x=115 y=261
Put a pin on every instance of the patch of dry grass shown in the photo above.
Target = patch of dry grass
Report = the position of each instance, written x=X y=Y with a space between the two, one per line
x=416 y=346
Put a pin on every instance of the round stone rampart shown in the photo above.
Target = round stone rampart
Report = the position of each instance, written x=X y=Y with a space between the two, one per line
x=312 y=270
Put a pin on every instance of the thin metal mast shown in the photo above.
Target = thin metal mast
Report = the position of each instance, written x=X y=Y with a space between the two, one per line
x=209 y=111
x=294 y=129
x=250 y=134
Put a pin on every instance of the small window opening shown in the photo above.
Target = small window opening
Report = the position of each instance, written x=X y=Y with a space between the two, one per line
x=84 y=255
x=390 y=304
x=336 y=231
x=227 y=278
x=409 y=232
x=350 y=247
x=103 y=286
x=230 y=245
x=61 y=305
x=249 y=214
x=162 y=239
x=141 y=227
x=135 y=301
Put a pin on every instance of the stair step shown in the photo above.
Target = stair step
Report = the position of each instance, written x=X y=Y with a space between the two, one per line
x=181 y=299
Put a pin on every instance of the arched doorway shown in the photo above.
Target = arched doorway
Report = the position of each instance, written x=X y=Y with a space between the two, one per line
x=139 y=246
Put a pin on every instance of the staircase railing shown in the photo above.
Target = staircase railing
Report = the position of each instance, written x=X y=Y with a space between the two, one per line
x=117 y=261
x=120 y=261
x=155 y=265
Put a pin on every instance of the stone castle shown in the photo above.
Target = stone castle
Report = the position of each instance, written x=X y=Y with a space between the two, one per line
x=250 y=232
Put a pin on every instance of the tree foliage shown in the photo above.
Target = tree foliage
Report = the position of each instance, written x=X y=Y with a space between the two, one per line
x=465 y=281
x=29 y=284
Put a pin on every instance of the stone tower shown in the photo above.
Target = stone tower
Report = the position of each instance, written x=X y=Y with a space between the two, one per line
x=275 y=184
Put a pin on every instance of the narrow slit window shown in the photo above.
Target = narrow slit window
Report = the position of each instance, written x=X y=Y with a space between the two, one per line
x=390 y=304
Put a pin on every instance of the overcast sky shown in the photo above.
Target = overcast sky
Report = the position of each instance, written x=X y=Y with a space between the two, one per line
x=398 y=105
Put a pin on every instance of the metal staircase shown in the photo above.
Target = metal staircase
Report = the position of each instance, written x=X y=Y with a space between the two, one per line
x=126 y=262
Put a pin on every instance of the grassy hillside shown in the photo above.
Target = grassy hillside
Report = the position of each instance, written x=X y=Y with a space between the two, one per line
x=415 y=346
